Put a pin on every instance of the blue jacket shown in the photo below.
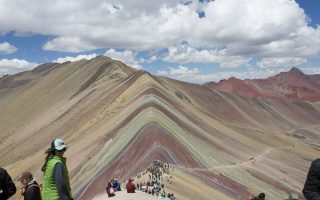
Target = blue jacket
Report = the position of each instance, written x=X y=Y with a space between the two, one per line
x=116 y=184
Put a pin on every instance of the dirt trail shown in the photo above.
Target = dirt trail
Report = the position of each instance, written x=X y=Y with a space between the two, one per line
x=251 y=160
x=123 y=195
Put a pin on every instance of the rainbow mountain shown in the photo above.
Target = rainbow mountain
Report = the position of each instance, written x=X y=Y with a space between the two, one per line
x=117 y=120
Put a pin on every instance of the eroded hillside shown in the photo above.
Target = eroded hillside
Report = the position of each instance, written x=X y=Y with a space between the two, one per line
x=117 y=120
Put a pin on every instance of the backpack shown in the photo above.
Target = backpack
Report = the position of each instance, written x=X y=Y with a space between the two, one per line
x=163 y=194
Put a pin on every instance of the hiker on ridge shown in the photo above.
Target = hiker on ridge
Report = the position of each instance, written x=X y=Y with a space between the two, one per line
x=7 y=187
x=56 y=177
x=311 y=189
x=30 y=188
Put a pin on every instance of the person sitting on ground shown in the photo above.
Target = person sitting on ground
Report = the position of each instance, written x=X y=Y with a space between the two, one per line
x=172 y=197
x=143 y=188
x=7 y=187
x=130 y=186
x=116 y=185
x=311 y=187
x=261 y=196
x=110 y=190
x=30 y=188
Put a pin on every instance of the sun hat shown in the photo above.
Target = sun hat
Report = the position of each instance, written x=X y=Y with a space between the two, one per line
x=59 y=144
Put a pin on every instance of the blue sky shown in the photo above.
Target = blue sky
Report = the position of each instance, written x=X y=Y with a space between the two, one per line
x=194 y=41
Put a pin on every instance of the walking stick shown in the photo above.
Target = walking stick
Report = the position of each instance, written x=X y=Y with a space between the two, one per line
x=20 y=195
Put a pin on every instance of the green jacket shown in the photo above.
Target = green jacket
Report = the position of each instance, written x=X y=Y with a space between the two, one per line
x=50 y=191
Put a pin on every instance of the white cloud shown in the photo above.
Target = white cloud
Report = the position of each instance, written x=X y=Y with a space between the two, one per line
x=199 y=77
x=281 y=62
x=7 y=48
x=181 y=72
x=259 y=28
x=242 y=27
x=68 y=44
x=311 y=70
x=151 y=59
x=128 y=57
x=184 y=53
x=15 y=65
x=162 y=73
x=76 y=58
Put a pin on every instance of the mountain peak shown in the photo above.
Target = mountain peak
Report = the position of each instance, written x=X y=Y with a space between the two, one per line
x=234 y=79
x=291 y=76
x=102 y=58
x=295 y=70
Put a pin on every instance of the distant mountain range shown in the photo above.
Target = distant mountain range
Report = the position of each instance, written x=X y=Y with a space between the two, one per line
x=291 y=85
x=223 y=140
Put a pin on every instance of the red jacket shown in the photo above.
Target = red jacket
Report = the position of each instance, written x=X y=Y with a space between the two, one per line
x=130 y=187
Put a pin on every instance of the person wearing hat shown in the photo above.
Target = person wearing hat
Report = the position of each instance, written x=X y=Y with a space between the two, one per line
x=56 y=179
x=7 y=187
x=30 y=188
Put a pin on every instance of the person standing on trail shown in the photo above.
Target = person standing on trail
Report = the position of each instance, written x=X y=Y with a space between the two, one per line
x=311 y=189
x=7 y=187
x=56 y=177
x=30 y=188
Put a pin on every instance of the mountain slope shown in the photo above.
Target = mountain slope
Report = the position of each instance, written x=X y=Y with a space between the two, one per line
x=291 y=85
x=315 y=78
x=117 y=120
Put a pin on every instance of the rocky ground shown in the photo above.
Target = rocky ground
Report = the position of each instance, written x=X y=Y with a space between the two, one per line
x=123 y=195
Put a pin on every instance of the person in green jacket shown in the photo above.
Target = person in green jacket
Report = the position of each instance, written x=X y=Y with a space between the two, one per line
x=56 y=179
